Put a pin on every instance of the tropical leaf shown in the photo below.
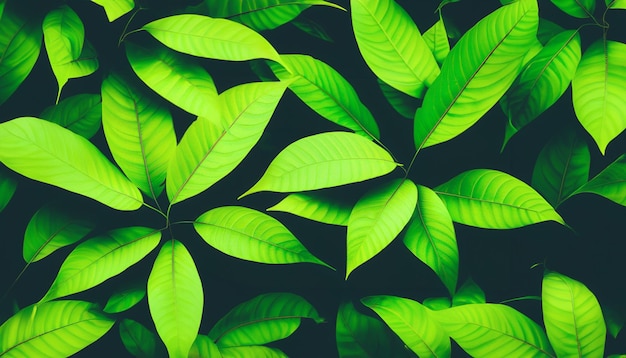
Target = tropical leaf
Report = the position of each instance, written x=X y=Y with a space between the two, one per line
x=547 y=30
x=616 y=4
x=82 y=114
x=610 y=182
x=402 y=103
x=139 y=132
x=327 y=93
x=115 y=9
x=430 y=237
x=211 y=149
x=476 y=73
x=2 y=4
x=614 y=319
x=412 y=322
x=324 y=160
x=437 y=303
x=102 y=257
x=204 y=347
x=315 y=206
x=251 y=235
x=175 y=298
x=125 y=299
x=59 y=328
x=47 y=152
x=469 y=293
x=392 y=45
x=572 y=316
x=312 y=28
x=436 y=38
x=263 y=319
x=377 y=218
x=599 y=89
x=496 y=200
x=252 y=351
x=138 y=340
x=576 y=8
x=8 y=184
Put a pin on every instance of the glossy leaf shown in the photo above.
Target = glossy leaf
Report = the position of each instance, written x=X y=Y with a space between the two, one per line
x=430 y=237
x=324 y=160
x=47 y=152
x=598 y=91
x=469 y=293
x=211 y=149
x=412 y=322
x=610 y=182
x=204 y=347
x=436 y=38
x=392 y=45
x=476 y=73
x=314 y=206
x=125 y=299
x=572 y=316
x=139 y=132
x=8 y=185
x=576 y=8
x=492 y=199
x=377 y=218
x=115 y=9
x=82 y=114
x=59 y=328
x=100 y=258
x=251 y=235
x=252 y=351
x=402 y=103
x=263 y=319
x=616 y=4
x=138 y=340
x=175 y=298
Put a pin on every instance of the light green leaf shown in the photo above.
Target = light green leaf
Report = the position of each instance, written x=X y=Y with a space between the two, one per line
x=8 y=184
x=412 y=322
x=547 y=30
x=100 y=258
x=139 y=132
x=402 y=103
x=572 y=316
x=252 y=351
x=251 y=235
x=125 y=299
x=324 y=160
x=204 y=347
x=476 y=73
x=436 y=38
x=576 y=8
x=377 y=218
x=494 y=330
x=204 y=36
x=59 y=328
x=599 y=89
x=138 y=340
x=469 y=293
x=175 y=298
x=210 y=149
x=437 y=303
x=392 y=45
x=82 y=114
x=610 y=182
x=51 y=228
x=430 y=237
x=115 y=9
x=492 y=199
x=47 y=152
x=263 y=319
x=315 y=206
x=562 y=167
x=616 y=4
x=327 y=93
x=177 y=79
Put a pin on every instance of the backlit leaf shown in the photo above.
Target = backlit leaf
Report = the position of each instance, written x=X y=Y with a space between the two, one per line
x=576 y=8
x=82 y=114
x=138 y=340
x=204 y=347
x=470 y=292
x=610 y=182
x=115 y=9
x=547 y=30
x=436 y=38
x=315 y=206
x=8 y=184
x=252 y=351
x=125 y=299
x=616 y=4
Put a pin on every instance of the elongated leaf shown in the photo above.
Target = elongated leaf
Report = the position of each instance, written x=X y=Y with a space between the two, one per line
x=412 y=322
x=251 y=235
x=576 y=8
x=476 y=73
x=115 y=9
x=59 y=329
x=616 y=4
x=598 y=90
x=139 y=132
x=101 y=258
x=392 y=45
x=138 y=340
x=252 y=351
x=402 y=103
x=327 y=93
x=317 y=207
x=175 y=298
x=8 y=185
x=491 y=199
x=204 y=347
x=322 y=161
x=47 y=152
x=263 y=319
x=377 y=218
x=470 y=292
x=430 y=237
x=125 y=299
x=82 y=114
x=610 y=182
x=547 y=30
x=210 y=149
x=572 y=317
x=436 y=38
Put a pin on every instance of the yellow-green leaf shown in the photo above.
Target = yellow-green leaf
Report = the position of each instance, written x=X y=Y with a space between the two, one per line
x=610 y=182
x=315 y=206
x=81 y=113
x=115 y=9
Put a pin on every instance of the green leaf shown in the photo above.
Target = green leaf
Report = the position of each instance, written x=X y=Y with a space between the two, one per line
x=204 y=36
x=610 y=182
x=402 y=103
x=46 y=152
x=125 y=299
x=252 y=351
x=115 y=9
x=576 y=8
x=377 y=218
x=251 y=235
x=599 y=89
x=211 y=149
x=324 y=160
x=494 y=330
x=614 y=320
x=100 y=258
x=139 y=132
x=430 y=237
x=492 y=199
x=436 y=38
x=51 y=228
x=138 y=340
x=547 y=30
x=315 y=206
x=312 y=28
x=616 y=4
x=204 y=347
x=8 y=184
x=327 y=93
x=572 y=316
x=392 y=45
x=176 y=78
x=2 y=4
x=562 y=167
x=263 y=319
x=469 y=293
x=412 y=322
x=59 y=329
x=437 y=303
x=82 y=114
x=175 y=298
x=476 y=73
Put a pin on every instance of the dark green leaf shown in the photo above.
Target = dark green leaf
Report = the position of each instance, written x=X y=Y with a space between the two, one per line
x=8 y=184
x=138 y=340
x=576 y=8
